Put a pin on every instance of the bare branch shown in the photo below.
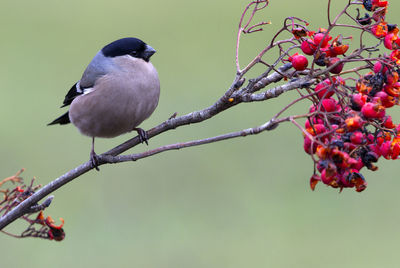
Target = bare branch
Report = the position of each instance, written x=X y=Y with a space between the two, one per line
x=176 y=146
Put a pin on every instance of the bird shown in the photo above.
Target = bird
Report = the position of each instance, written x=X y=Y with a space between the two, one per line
x=118 y=90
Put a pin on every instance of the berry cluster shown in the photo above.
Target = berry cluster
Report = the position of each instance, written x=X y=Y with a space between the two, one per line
x=347 y=127
x=54 y=232
x=38 y=226
x=325 y=53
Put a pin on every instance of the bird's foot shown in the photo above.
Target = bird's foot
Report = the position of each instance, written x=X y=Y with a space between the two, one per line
x=143 y=137
x=94 y=160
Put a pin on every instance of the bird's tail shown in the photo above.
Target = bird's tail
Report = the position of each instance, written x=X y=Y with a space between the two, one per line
x=62 y=120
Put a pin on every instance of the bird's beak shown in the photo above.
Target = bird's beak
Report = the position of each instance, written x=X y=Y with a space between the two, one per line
x=148 y=52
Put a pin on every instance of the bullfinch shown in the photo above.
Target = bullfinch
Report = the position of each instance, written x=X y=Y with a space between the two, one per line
x=118 y=90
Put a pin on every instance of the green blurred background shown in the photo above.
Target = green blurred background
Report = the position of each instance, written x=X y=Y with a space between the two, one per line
x=238 y=203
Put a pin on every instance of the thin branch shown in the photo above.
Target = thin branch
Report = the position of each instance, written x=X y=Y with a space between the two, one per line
x=271 y=124
x=277 y=91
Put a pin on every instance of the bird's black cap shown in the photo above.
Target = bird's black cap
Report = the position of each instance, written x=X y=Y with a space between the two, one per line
x=128 y=46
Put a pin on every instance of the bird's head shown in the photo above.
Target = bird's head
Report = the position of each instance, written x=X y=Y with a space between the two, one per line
x=131 y=46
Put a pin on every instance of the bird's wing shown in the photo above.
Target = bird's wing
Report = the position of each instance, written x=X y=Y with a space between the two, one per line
x=75 y=91
x=98 y=67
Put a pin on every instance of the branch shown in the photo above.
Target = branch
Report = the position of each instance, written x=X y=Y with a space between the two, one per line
x=277 y=91
x=271 y=124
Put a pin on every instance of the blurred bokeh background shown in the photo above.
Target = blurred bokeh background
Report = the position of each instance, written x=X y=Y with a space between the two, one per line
x=238 y=203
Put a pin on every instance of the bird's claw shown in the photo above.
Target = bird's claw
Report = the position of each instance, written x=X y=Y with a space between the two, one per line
x=143 y=137
x=94 y=160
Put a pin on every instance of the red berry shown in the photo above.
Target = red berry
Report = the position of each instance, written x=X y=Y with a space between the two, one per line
x=395 y=56
x=329 y=105
x=373 y=110
x=323 y=89
x=395 y=151
x=313 y=121
x=378 y=67
x=308 y=146
x=317 y=129
x=391 y=78
x=385 y=99
x=354 y=123
x=357 y=137
x=299 y=62
x=321 y=37
x=358 y=101
x=338 y=68
x=358 y=164
x=308 y=47
x=384 y=149
x=388 y=123
x=328 y=177
x=390 y=41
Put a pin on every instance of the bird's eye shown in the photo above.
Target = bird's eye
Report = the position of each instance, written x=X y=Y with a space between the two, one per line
x=133 y=53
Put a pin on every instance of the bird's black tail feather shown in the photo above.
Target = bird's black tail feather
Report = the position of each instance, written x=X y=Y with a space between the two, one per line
x=62 y=120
